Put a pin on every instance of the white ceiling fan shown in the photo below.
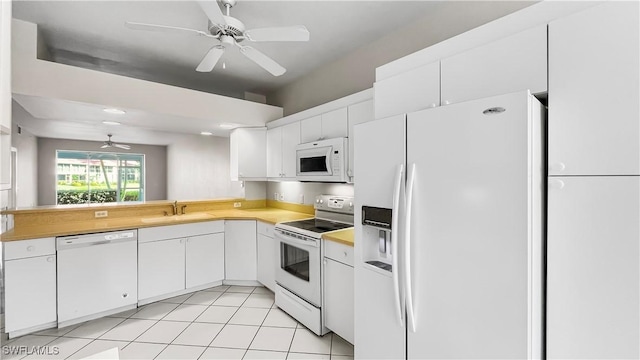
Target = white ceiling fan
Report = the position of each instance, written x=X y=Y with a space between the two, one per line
x=109 y=143
x=231 y=32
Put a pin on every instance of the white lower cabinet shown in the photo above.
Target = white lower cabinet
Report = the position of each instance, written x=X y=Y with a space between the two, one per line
x=161 y=268
x=593 y=282
x=204 y=259
x=240 y=250
x=179 y=257
x=338 y=307
x=30 y=291
x=267 y=256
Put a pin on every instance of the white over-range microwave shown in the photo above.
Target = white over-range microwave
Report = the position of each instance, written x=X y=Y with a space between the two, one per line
x=322 y=160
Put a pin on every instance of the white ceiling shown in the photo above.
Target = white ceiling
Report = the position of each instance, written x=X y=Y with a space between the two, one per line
x=91 y=34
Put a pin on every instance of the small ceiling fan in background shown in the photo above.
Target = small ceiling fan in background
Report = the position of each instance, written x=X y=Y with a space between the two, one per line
x=109 y=143
x=230 y=31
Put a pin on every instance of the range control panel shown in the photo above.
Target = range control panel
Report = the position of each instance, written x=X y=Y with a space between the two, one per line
x=334 y=203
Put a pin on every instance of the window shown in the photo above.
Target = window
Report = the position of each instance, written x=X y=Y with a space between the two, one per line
x=95 y=177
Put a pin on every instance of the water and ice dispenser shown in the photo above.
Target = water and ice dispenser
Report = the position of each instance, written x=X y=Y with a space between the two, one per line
x=377 y=241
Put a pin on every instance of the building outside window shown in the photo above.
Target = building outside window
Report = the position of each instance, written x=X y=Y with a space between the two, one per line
x=96 y=177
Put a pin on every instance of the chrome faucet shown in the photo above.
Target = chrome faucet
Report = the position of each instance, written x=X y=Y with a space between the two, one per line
x=175 y=208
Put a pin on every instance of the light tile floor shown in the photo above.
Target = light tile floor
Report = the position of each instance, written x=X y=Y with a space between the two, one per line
x=224 y=322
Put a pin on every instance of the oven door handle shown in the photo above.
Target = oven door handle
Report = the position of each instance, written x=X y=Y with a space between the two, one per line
x=291 y=239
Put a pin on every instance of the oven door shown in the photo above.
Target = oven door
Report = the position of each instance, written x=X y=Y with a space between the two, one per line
x=299 y=269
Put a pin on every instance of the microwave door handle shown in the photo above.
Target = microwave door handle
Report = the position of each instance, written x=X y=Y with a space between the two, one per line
x=328 y=160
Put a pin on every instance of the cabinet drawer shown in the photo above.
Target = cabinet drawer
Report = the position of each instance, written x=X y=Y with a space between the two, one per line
x=29 y=248
x=265 y=229
x=338 y=252
x=179 y=231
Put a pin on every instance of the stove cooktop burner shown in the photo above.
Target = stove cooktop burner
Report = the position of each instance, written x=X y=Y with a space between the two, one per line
x=317 y=225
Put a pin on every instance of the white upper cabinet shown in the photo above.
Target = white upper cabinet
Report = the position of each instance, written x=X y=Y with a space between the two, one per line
x=248 y=158
x=593 y=281
x=593 y=91
x=281 y=151
x=515 y=63
x=332 y=124
x=358 y=113
x=274 y=152
x=410 y=91
x=290 y=139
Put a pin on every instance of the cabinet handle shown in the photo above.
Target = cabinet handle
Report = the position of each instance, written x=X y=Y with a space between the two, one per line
x=433 y=105
x=447 y=102
x=125 y=295
x=345 y=253
x=559 y=166
x=51 y=259
x=325 y=261
x=31 y=248
x=556 y=184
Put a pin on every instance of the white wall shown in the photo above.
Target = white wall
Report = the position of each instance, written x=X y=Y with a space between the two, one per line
x=293 y=190
x=198 y=168
x=26 y=167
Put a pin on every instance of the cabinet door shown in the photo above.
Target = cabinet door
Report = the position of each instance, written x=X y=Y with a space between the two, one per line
x=515 y=63
x=248 y=155
x=593 y=91
x=204 y=259
x=413 y=90
x=338 y=298
x=274 y=152
x=334 y=124
x=310 y=129
x=267 y=260
x=240 y=250
x=592 y=268
x=161 y=268
x=30 y=292
x=358 y=114
x=290 y=139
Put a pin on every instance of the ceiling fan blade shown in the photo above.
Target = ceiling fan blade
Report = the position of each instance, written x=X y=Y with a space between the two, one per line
x=284 y=33
x=122 y=146
x=105 y=146
x=213 y=11
x=211 y=59
x=263 y=60
x=165 y=28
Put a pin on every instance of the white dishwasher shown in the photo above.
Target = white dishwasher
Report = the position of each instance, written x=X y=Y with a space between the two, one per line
x=97 y=275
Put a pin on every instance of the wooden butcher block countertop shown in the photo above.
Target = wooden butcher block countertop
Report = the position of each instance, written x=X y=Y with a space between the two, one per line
x=341 y=236
x=269 y=215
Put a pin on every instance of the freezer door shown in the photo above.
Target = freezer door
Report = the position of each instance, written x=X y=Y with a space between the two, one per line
x=592 y=268
x=379 y=151
x=471 y=231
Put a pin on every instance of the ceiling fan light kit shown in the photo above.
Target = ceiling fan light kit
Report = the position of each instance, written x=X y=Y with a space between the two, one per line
x=230 y=32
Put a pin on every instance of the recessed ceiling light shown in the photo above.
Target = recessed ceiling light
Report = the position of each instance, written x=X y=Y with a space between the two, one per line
x=111 y=123
x=207 y=133
x=114 y=111
x=227 y=126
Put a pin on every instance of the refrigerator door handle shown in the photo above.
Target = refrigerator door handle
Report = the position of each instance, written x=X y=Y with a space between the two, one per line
x=394 y=241
x=411 y=319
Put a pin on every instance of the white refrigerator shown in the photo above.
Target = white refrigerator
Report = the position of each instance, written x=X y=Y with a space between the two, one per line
x=452 y=199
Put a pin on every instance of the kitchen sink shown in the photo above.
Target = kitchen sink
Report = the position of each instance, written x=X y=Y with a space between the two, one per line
x=176 y=218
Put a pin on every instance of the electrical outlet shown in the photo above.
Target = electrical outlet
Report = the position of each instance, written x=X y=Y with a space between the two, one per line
x=276 y=196
x=101 y=214
x=237 y=204
x=281 y=197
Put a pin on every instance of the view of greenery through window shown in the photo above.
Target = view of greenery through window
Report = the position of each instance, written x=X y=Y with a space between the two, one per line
x=95 y=177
